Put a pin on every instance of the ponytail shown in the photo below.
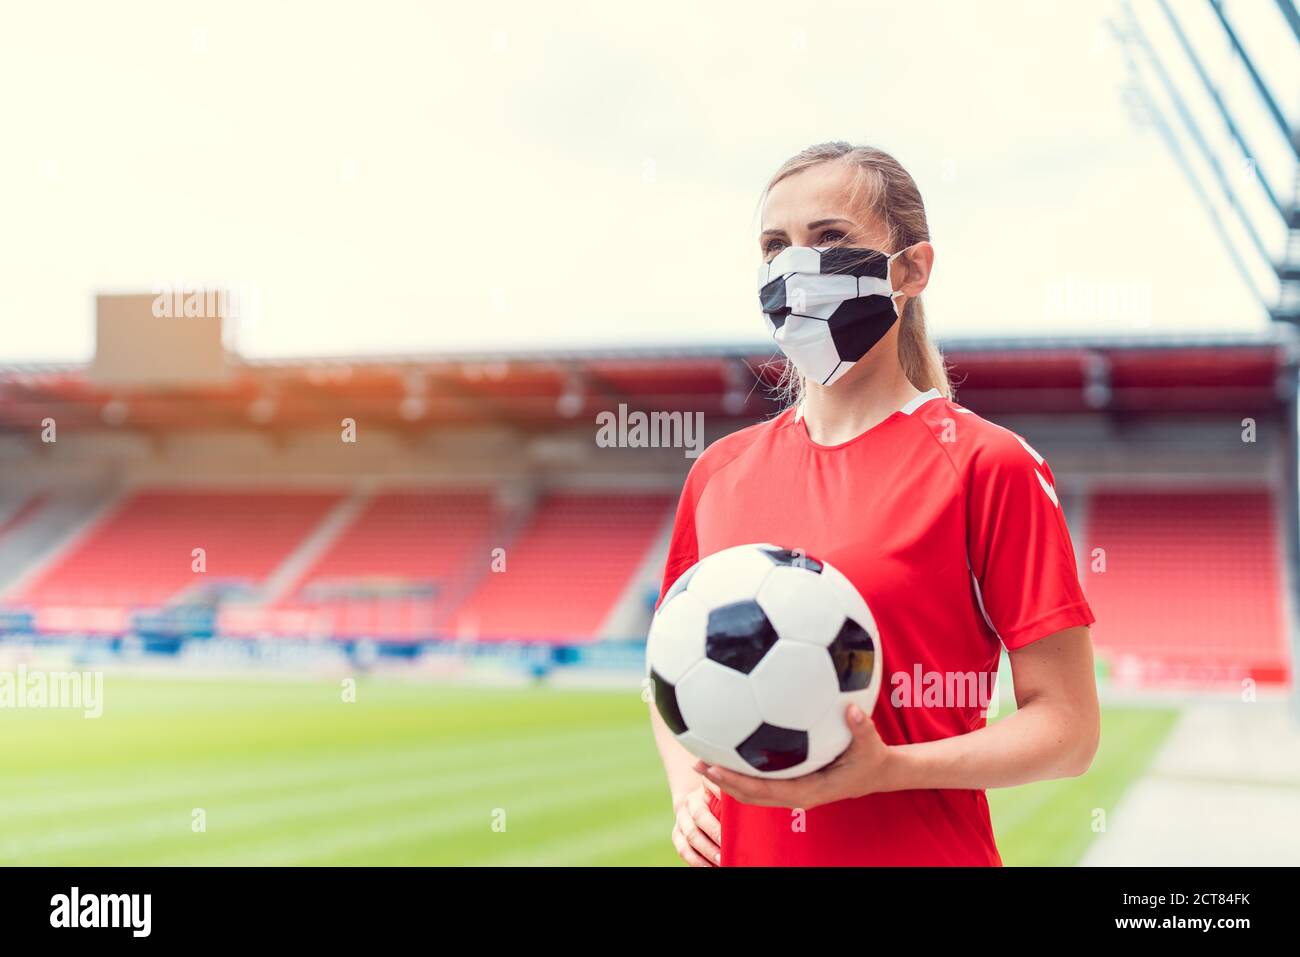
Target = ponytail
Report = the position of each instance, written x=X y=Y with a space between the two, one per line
x=921 y=360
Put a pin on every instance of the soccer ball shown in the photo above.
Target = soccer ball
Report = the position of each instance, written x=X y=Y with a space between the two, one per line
x=753 y=656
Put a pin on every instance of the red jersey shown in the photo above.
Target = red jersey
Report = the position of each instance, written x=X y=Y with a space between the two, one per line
x=950 y=527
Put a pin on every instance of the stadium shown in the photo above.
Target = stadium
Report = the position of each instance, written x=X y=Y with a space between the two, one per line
x=402 y=519
x=347 y=554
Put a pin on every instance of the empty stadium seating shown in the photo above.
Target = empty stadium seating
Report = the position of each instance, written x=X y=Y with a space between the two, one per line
x=140 y=554
x=566 y=570
x=20 y=509
x=402 y=541
x=410 y=563
x=1192 y=589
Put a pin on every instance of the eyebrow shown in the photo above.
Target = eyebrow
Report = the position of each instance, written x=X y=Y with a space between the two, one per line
x=815 y=224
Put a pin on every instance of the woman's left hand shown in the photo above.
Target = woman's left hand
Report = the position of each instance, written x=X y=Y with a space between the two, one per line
x=866 y=766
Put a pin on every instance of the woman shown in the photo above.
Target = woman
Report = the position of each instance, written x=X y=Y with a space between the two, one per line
x=948 y=525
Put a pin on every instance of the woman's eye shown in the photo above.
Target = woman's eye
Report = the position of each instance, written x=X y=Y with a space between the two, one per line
x=773 y=246
x=831 y=237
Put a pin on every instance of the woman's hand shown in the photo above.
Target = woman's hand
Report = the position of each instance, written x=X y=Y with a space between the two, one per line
x=697 y=835
x=865 y=767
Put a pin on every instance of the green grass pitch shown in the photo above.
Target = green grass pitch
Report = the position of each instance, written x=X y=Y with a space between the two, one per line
x=285 y=772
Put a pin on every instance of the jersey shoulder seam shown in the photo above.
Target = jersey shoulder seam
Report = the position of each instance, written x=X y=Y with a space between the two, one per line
x=947 y=456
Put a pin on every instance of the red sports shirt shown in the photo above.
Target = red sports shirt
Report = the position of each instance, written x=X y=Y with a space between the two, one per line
x=950 y=527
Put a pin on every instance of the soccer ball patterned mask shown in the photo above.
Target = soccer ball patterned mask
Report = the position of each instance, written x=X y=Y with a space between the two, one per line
x=827 y=306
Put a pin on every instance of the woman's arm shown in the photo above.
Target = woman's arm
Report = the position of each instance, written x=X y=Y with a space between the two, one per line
x=697 y=835
x=678 y=762
x=1053 y=733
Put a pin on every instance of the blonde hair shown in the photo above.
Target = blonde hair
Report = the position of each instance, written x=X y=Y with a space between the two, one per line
x=888 y=193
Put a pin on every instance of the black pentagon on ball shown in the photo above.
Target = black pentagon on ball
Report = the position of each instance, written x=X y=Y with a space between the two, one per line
x=739 y=635
x=772 y=748
x=679 y=586
x=853 y=653
x=795 y=559
x=666 y=702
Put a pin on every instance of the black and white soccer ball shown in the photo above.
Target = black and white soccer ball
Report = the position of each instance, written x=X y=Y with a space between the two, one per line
x=754 y=654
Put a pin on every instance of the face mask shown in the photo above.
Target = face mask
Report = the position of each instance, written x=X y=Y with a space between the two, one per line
x=827 y=306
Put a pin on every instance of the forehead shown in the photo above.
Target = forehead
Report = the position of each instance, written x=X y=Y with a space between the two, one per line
x=824 y=191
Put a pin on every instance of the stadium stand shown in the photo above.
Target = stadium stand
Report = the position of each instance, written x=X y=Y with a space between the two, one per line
x=1144 y=437
x=140 y=556
x=1192 y=588
x=606 y=536
x=406 y=555
x=18 y=510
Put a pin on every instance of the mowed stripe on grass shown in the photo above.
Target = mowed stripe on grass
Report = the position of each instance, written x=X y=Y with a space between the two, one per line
x=278 y=804
x=286 y=772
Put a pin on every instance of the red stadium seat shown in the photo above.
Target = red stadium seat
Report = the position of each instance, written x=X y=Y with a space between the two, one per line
x=140 y=556
x=1192 y=587
x=567 y=569
x=401 y=542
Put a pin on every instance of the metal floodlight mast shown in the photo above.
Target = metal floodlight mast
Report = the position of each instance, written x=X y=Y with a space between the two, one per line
x=1286 y=308
x=1131 y=36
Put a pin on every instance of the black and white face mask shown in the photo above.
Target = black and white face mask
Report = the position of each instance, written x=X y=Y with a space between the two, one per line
x=827 y=306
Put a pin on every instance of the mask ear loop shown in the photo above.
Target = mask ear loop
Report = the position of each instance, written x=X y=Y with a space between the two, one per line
x=894 y=294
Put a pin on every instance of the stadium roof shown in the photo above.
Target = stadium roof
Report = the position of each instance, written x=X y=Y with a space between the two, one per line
x=542 y=388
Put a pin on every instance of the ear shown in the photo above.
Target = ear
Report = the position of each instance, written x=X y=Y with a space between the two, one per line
x=911 y=271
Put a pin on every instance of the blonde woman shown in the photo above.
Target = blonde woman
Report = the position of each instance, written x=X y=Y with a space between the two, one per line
x=948 y=524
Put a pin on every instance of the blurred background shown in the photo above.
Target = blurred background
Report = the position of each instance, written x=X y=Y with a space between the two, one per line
x=309 y=318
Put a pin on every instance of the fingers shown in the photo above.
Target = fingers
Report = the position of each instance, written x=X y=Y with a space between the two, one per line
x=742 y=787
x=698 y=805
x=686 y=852
x=696 y=837
x=808 y=791
x=857 y=721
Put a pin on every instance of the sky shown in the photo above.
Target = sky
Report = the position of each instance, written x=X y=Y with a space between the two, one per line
x=406 y=177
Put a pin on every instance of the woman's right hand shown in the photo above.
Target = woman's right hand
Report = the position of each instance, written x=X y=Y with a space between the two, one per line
x=697 y=834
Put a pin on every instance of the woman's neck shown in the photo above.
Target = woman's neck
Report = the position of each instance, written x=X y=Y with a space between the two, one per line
x=870 y=393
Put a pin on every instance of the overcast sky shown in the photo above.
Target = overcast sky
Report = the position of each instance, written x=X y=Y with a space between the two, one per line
x=408 y=177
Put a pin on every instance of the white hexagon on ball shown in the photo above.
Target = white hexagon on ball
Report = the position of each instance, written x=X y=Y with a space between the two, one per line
x=677 y=637
x=717 y=704
x=731 y=575
x=794 y=684
x=828 y=738
x=803 y=605
x=711 y=753
x=851 y=600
